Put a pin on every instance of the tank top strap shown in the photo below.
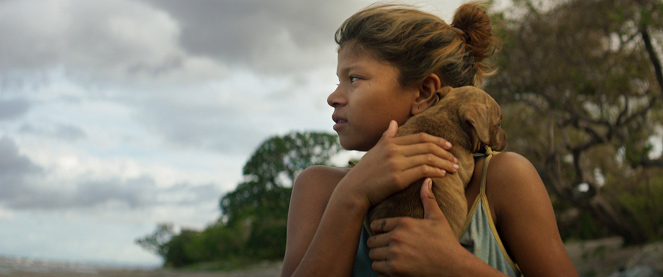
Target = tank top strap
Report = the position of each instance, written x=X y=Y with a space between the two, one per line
x=480 y=235
x=484 y=172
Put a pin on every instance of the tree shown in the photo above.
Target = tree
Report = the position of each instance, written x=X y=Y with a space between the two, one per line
x=169 y=245
x=580 y=84
x=157 y=241
x=253 y=222
x=262 y=201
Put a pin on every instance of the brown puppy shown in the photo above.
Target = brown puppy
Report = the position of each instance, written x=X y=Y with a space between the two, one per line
x=468 y=118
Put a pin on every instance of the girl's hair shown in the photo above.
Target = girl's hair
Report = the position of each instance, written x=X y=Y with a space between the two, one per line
x=419 y=43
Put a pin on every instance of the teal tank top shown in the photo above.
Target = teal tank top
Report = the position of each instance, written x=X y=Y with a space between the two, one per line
x=479 y=236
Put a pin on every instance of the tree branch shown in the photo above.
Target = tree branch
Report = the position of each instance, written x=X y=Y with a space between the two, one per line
x=640 y=113
x=652 y=56
x=646 y=162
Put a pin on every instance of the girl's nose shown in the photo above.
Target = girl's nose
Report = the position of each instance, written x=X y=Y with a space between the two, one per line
x=336 y=98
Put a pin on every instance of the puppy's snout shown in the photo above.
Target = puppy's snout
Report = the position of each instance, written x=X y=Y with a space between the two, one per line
x=500 y=140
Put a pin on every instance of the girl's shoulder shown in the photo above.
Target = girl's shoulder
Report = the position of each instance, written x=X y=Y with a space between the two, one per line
x=506 y=172
x=524 y=216
x=321 y=173
x=510 y=166
x=514 y=189
x=318 y=181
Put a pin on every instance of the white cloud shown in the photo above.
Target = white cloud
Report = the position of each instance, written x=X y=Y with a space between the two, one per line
x=97 y=40
x=116 y=115
x=6 y=214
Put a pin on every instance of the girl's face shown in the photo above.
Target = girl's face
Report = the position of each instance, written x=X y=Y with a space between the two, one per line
x=367 y=98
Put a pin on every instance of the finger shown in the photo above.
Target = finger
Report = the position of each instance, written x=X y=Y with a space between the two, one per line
x=430 y=160
x=422 y=138
x=379 y=240
x=380 y=226
x=427 y=148
x=378 y=254
x=381 y=267
x=391 y=130
x=413 y=174
x=431 y=208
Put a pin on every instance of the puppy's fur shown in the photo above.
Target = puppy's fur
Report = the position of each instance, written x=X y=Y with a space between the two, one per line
x=468 y=118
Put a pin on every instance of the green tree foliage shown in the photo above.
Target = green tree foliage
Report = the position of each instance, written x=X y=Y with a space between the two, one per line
x=156 y=242
x=262 y=201
x=169 y=245
x=580 y=85
x=254 y=216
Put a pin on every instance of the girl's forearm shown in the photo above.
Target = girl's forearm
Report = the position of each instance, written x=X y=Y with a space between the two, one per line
x=334 y=246
x=470 y=265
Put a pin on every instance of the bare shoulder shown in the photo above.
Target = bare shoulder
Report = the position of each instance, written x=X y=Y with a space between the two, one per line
x=318 y=171
x=310 y=195
x=319 y=177
x=513 y=184
x=313 y=188
x=511 y=170
x=525 y=218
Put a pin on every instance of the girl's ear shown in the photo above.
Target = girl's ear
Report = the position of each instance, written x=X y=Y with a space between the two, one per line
x=426 y=96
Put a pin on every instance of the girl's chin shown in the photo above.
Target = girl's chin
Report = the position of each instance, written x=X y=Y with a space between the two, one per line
x=347 y=144
x=358 y=142
x=352 y=146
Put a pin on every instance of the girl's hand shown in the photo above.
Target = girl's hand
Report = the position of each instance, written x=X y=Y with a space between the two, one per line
x=396 y=162
x=406 y=246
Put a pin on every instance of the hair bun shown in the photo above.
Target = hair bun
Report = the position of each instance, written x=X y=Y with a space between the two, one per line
x=474 y=22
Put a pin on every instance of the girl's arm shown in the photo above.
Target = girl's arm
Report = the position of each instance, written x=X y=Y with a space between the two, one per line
x=328 y=205
x=337 y=238
x=406 y=246
x=525 y=222
x=525 y=217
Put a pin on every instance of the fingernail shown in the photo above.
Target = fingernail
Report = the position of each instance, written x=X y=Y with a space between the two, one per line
x=456 y=166
x=429 y=185
x=448 y=144
x=455 y=160
x=444 y=172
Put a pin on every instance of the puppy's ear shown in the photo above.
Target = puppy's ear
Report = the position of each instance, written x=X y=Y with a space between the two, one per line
x=427 y=94
x=443 y=91
x=475 y=117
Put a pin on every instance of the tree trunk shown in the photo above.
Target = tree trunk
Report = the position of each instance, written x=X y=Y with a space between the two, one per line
x=593 y=202
x=616 y=222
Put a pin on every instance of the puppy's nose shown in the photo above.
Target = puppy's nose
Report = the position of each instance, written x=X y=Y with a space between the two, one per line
x=502 y=140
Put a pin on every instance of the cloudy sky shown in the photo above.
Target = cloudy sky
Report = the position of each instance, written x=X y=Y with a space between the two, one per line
x=117 y=115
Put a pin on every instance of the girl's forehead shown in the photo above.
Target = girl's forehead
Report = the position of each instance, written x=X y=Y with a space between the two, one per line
x=350 y=56
x=349 y=59
x=356 y=49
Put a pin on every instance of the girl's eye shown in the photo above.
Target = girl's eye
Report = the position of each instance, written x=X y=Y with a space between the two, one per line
x=354 y=79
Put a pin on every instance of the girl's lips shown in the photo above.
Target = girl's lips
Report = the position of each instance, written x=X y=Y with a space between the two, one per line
x=338 y=119
x=339 y=125
x=339 y=122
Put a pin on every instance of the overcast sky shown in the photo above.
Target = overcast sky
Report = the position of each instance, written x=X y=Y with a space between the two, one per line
x=117 y=115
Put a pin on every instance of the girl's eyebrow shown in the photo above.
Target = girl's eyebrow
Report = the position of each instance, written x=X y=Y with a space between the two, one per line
x=349 y=68
x=345 y=69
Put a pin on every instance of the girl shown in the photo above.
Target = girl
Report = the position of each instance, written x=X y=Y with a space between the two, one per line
x=391 y=61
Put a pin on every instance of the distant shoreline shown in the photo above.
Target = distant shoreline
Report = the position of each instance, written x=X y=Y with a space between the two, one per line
x=10 y=263
x=27 y=267
x=599 y=257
